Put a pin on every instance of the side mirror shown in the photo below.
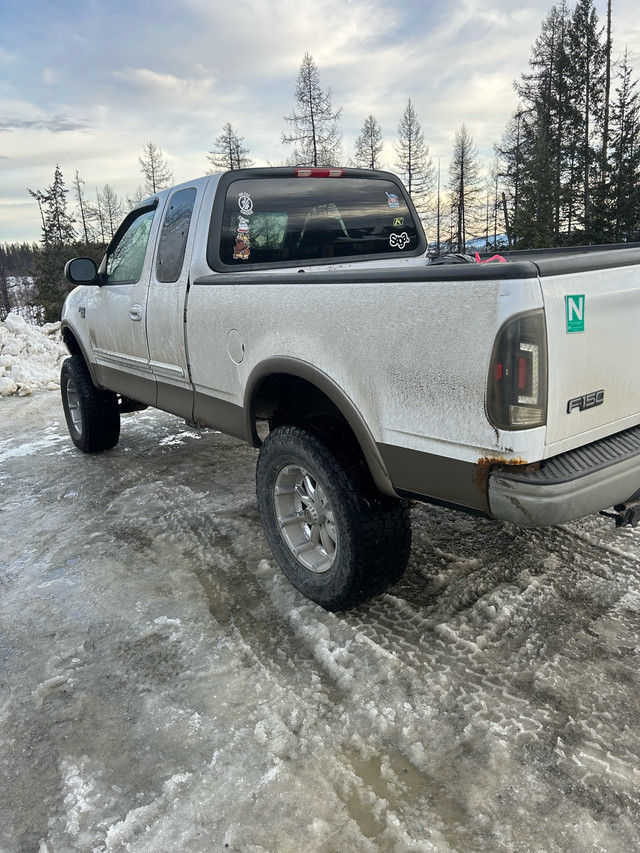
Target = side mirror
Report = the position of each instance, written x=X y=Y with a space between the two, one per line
x=81 y=271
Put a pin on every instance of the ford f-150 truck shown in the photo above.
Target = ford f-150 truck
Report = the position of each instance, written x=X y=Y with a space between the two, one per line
x=298 y=309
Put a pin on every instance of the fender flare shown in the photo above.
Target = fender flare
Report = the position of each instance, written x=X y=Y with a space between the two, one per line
x=67 y=329
x=324 y=383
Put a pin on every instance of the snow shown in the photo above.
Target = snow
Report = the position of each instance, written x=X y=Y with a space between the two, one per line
x=163 y=687
x=30 y=357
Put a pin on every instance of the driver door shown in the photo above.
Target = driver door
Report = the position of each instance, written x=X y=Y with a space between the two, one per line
x=118 y=308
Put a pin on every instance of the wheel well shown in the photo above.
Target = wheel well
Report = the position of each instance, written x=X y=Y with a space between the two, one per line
x=282 y=398
x=71 y=343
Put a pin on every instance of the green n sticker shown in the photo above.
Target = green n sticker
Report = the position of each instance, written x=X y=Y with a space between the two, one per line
x=575 y=312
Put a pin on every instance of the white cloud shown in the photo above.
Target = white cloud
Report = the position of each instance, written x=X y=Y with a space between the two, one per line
x=162 y=85
x=88 y=86
x=6 y=57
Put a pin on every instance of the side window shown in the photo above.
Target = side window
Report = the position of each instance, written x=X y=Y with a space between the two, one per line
x=173 y=236
x=125 y=257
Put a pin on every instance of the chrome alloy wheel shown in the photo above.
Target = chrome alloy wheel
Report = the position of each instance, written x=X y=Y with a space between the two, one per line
x=73 y=404
x=305 y=518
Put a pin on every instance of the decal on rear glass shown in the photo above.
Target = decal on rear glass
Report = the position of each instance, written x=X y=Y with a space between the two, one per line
x=245 y=203
x=399 y=241
x=392 y=199
x=241 y=247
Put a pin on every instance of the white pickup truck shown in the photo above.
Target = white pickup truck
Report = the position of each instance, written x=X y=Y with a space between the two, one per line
x=297 y=309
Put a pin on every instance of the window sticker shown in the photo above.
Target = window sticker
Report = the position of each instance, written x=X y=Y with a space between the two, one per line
x=392 y=199
x=399 y=240
x=398 y=222
x=241 y=247
x=245 y=203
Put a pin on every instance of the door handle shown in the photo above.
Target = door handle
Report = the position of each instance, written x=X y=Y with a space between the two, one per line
x=135 y=312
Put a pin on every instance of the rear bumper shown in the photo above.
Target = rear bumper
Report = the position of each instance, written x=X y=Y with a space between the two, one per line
x=571 y=485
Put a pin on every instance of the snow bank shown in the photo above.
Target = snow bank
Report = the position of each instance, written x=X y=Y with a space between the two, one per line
x=30 y=357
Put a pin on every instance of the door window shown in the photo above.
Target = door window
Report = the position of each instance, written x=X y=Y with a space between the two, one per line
x=125 y=256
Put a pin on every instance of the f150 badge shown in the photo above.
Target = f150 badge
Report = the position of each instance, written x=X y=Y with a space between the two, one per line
x=587 y=401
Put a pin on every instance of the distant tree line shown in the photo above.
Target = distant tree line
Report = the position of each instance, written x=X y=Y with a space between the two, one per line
x=16 y=261
x=32 y=275
x=569 y=160
x=566 y=171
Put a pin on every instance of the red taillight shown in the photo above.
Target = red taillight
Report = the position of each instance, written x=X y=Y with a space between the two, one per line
x=522 y=373
x=517 y=386
x=319 y=172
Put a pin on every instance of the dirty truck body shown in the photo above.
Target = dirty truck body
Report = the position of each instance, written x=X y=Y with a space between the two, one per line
x=302 y=304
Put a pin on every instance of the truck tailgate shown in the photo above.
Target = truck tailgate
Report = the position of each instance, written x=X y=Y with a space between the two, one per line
x=593 y=327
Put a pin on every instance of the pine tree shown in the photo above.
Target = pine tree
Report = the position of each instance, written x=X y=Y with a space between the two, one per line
x=495 y=224
x=16 y=279
x=111 y=210
x=315 y=136
x=586 y=80
x=5 y=301
x=369 y=145
x=157 y=174
x=412 y=159
x=546 y=109
x=534 y=221
x=136 y=197
x=58 y=238
x=465 y=190
x=623 y=214
x=607 y=96
x=228 y=151
x=84 y=209
x=510 y=171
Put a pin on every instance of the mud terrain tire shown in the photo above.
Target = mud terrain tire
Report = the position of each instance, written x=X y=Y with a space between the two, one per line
x=337 y=539
x=92 y=415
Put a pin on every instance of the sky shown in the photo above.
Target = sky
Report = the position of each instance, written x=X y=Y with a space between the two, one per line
x=85 y=85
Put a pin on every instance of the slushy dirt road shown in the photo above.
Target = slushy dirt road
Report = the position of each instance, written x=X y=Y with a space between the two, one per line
x=163 y=688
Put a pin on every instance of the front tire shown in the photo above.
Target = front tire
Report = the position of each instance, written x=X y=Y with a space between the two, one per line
x=92 y=415
x=337 y=539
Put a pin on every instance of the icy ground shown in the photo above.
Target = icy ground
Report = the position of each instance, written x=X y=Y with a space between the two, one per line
x=163 y=688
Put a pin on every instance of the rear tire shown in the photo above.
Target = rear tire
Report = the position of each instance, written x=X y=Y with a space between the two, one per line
x=337 y=539
x=92 y=415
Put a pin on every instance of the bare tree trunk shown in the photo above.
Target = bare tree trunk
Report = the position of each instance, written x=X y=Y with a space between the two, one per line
x=5 y=302
x=507 y=227
x=607 y=95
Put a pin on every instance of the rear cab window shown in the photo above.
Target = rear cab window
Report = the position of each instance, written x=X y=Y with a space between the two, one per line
x=279 y=219
x=173 y=235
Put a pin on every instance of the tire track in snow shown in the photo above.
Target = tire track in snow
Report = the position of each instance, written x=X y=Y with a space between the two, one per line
x=495 y=685
x=459 y=653
x=282 y=634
